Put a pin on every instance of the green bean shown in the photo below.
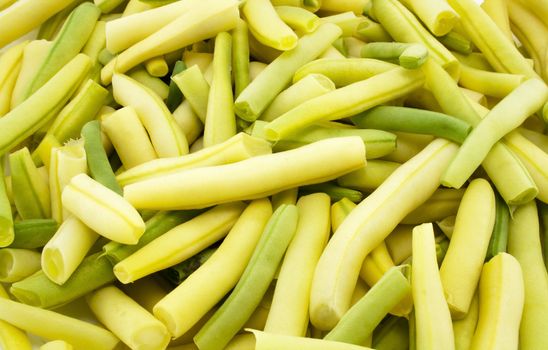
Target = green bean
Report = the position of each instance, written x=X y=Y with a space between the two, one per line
x=499 y=237
x=70 y=40
x=392 y=334
x=254 y=99
x=174 y=96
x=410 y=56
x=30 y=190
x=253 y=284
x=336 y=193
x=98 y=164
x=543 y=209
x=51 y=27
x=377 y=142
x=359 y=322
x=107 y=6
x=343 y=71
x=195 y=89
x=220 y=122
x=413 y=120
x=178 y=273
x=456 y=42
x=33 y=233
x=36 y=111
x=38 y=290
x=404 y=27
x=346 y=101
x=156 y=226
x=507 y=115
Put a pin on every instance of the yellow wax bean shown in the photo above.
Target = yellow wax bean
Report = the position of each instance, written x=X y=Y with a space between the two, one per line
x=489 y=83
x=132 y=28
x=368 y=178
x=220 y=122
x=344 y=71
x=129 y=137
x=33 y=56
x=10 y=60
x=356 y=6
x=434 y=329
x=180 y=243
x=237 y=148
x=103 y=210
x=52 y=325
x=11 y=337
x=20 y=19
x=347 y=21
x=157 y=66
x=403 y=26
x=289 y=310
x=465 y=327
x=166 y=137
x=524 y=244
x=369 y=224
x=251 y=178
x=154 y=83
x=285 y=197
x=146 y=291
x=56 y=345
x=501 y=299
x=310 y=86
x=398 y=243
x=65 y=163
x=267 y=26
x=200 y=59
x=534 y=158
x=443 y=203
x=437 y=15
x=188 y=121
x=298 y=18
x=16 y=264
x=461 y=268
x=269 y=341
x=332 y=53
x=191 y=300
x=7 y=87
x=490 y=40
x=66 y=249
x=204 y=20
x=498 y=11
x=195 y=88
x=130 y=322
x=346 y=101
